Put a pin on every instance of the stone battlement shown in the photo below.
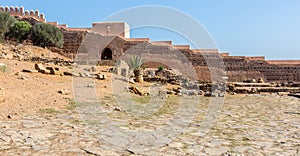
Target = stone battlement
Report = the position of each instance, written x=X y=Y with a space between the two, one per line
x=21 y=13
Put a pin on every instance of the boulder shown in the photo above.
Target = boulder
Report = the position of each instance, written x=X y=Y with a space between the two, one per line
x=29 y=71
x=54 y=70
x=171 y=92
x=131 y=80
x=208 y=94
x=64 y=92
x=87 y=74
x=71 y=74
x=45 y=71
x=39 y=67
x=261 y=80
x=118 y=109
x=101 y=76
x=81 y=74
x=94 y=69
x=136 y=90
x=253 y=91
x=122 y=68
x=200 y=92
x=68 y=73
x=189 y=92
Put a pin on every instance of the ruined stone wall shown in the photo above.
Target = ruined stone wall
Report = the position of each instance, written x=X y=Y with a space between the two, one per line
x=72 y=41
x=242 y=68
x=238 y=68
x=206 y=62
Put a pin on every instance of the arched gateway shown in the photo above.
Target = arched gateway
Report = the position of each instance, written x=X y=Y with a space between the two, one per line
x=106 y=54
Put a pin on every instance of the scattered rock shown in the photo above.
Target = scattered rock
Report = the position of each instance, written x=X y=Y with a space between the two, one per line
x=39 y=67
x=90 y=85
x=171 y=92
x=64 y=92
x=94 y=69
x=66 y=73
x=131 y=81
x=54 y=70
x=22 y=78
x=29 y=71
x=118 y=109
x=201 y=92
x=46 y=71
x=87 y=75
x=189 y=92
x=9 y=117
x=101 y=76
x=208 y=94
x=82 y=75
x=261 y=80
x=18 y=74
x=136 y=90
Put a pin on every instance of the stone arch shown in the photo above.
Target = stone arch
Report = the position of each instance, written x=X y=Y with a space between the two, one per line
x=106 y=54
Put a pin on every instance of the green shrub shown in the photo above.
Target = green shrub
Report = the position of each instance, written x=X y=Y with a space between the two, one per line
x=19 y=31
x=160 y=68
x=44 y=35
x=6 y=21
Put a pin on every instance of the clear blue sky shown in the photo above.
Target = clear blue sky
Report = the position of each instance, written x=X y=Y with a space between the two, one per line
x=241 y=27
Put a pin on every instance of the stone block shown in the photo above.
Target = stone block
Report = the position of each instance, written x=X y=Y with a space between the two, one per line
x=39 y=67
x=54 y=70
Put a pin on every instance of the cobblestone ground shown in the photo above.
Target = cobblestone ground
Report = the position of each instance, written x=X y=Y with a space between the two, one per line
x=247 y=125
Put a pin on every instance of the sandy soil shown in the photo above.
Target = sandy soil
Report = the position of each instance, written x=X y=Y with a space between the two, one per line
x=27 y=93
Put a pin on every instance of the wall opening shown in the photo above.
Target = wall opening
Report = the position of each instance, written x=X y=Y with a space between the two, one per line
x=106 y=54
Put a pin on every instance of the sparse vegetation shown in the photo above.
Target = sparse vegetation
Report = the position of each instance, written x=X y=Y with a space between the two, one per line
x=48 y=111
x=107 y=98
x=44 y=35
x=141 y=99
x=71 y=104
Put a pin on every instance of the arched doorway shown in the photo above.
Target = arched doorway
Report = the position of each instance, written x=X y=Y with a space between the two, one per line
x=106 y=54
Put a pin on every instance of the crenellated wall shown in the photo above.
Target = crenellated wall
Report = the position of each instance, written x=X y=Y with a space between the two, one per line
x=21 y=13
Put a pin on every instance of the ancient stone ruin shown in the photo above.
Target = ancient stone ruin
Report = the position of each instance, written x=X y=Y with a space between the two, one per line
x=113 y=41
